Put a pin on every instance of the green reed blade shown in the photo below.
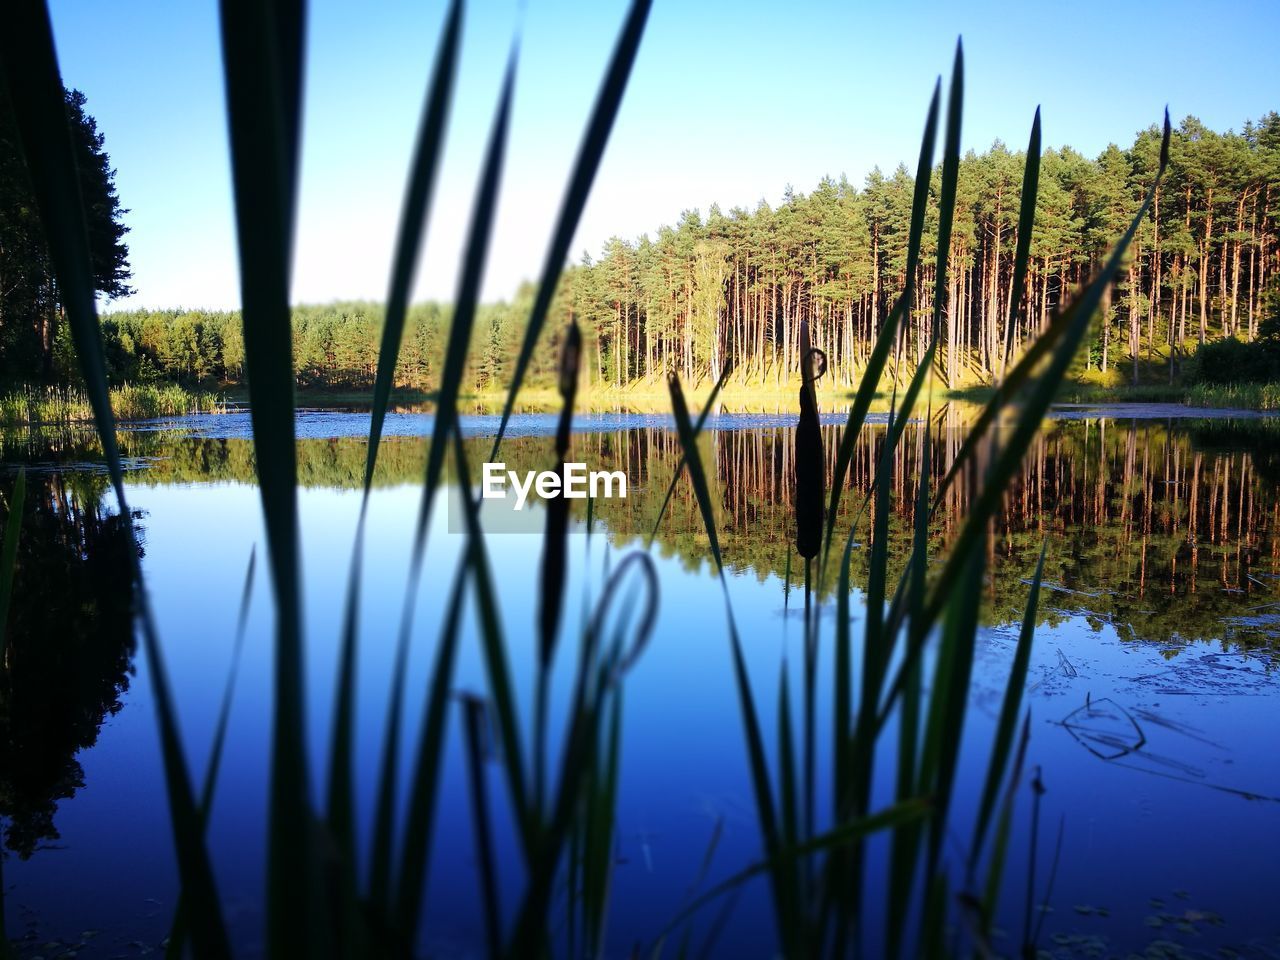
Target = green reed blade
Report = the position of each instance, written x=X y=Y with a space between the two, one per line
x=785 y=893
x=1004 y=825
x=29 y=67
x=947 y=197
x=600 y=853
x=949 y=698
x=598 y=678
x=1011 y=382
x=475 y=255
x=1041 y=395
x=9 y=555
x=340 y=803
x=1026 y=223
x=415 y=859
x=493 y=647
x=810 y=463
x=413 y=226
x=888 y=333
x=934 y=921
x=552 y=570
x=1009 y=711
x=176 y=941
x=697 y=429
x=608 y=100
x=474 y=721
x=786 y=763
x=262 y=57
x=412 y=229
x=906 y=842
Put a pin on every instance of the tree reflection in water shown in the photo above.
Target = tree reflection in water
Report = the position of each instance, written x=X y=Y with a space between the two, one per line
x=68 y=648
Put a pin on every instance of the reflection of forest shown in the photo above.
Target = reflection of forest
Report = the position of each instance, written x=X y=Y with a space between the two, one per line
x=67 y=650
x=1163 y=528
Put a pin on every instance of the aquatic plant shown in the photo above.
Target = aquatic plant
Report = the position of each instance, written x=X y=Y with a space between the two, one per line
x=44 y=406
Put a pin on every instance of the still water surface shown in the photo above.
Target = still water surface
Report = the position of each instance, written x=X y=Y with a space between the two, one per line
x=1154 y=688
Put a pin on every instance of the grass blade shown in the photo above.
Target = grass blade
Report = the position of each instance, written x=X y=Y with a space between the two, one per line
x=412 y=230
x=590 y=152
x=1026 y=222
x=785 y=893
x=473 y=263
x=697 y=429
x=888 y=333
x=424 y=789
x=29 y=68
x=262 y=56
x=473 y=712
x=1009 y=711
x=178 y=932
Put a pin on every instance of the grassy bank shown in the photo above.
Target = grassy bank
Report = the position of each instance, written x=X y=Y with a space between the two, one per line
x=1248 y=396
x=53 y=405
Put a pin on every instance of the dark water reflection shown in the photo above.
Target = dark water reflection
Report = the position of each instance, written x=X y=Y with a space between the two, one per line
x=1163 y=613
x=67 y=652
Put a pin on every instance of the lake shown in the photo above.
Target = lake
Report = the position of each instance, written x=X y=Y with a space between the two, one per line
x=1153 y=688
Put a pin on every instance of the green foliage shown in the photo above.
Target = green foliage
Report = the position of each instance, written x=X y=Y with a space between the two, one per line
x=31 y=303
x=1231 y=362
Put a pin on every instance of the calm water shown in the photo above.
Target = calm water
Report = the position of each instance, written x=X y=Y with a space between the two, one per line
x=1154 y=688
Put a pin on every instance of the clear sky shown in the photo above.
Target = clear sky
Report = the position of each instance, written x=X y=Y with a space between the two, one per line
x=730 y=102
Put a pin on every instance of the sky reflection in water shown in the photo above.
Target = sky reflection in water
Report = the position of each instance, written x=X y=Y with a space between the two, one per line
x=1154 y=734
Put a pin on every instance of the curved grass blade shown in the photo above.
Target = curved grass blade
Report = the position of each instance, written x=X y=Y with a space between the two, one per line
x=413 y=223
x=603 y=114
x=600 y=673
x=1009 y=711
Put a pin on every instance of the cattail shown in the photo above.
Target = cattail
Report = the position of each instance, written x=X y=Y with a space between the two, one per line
x=809 y=455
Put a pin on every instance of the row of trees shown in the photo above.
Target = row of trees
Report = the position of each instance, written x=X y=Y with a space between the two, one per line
x=736 y=285
x=335 y=346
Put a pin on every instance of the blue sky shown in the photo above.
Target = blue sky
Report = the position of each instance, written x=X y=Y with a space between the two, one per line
x=729 y=103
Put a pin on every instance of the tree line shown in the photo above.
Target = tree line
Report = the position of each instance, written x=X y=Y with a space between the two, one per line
x=735 y=286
